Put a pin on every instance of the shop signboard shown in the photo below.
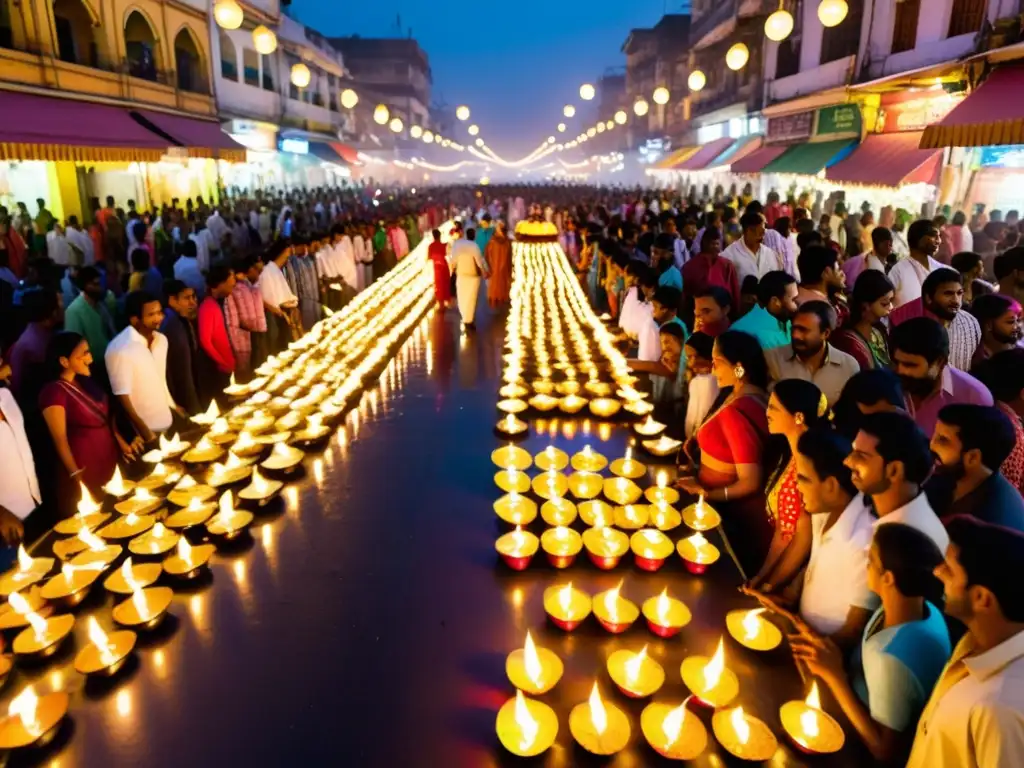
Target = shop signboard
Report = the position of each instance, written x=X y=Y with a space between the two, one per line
x=295 y=146
x=1005 y=156
x=838 y=122
x=786 y=129
x=915 y=111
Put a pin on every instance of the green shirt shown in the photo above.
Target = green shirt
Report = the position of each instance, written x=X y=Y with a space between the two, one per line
x=93 y=323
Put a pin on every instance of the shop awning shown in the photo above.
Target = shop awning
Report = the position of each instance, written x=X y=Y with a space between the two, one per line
x=349 y=154
x=889 y=160
x=47 y=128
x=704 y=155
x=755 y=161
x=326 y=152
x=810 y=159
x=673 y=160
x=992 y=115
x=202 y=138
x=737 y=152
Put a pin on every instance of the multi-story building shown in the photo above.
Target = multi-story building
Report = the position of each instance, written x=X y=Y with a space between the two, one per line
x=91 y=88
x=657 y=57
x=611 y=97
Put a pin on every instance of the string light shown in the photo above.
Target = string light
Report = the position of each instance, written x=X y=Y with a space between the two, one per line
x=349 y=98
x=473 y=130
x=462 y=113
x=381 y=114
x=587 y=92
x=569 y=110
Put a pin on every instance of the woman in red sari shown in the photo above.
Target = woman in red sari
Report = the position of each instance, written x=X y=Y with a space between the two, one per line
x=438 y=253
x=728 y=449
x=77 y=413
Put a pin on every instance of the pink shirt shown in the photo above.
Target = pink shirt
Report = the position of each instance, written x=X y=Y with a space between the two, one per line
x=957 y=387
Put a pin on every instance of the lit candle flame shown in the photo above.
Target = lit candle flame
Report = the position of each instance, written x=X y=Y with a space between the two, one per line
x=37 y=622
x=115 y=486
x=141 y=603
x=159 y=531
x=99 y=638
x=714 y=668
x=531 y=662
x=598 y=715
x=142 y=495
x=195 y=504
x=185 y=483
x=259 y=485
x=91 y=540
x=25 y=706
x=634 y=665
x=752 y=623
x=244 y=442
x=663 y=605
x=699 y=544
x=611 y=601
x=227 y=509
x=185 y=551
x=562 y=533
x=672 y=725
x=588 y=451
x=813 y=700
x=565 y=600
x=86 y=505
x=662 y=479
x=170 y=447
x=210 y=416
x=24 y=559
x=518 y=540
x=528 y=726
x=129 y=575
x=550 y=452
x=233 y=461
x=698 y=511
x=740 y=725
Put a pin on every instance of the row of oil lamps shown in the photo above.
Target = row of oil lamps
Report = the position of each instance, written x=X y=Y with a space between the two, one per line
x=297 y=399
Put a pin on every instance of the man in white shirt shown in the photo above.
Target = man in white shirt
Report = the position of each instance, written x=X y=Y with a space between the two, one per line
x=19 y=488
x=975 y=717
x=749 y=254
x=469 y=266
x=137 y=365
x=890 y=461
x=80 y=240
x=57 y=247
x=908 y=274
x=218 y=229
x=278 y=298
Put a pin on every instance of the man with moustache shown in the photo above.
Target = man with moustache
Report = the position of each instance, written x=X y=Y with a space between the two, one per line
x=920 y=357
x=942 y=299
x=908 y=274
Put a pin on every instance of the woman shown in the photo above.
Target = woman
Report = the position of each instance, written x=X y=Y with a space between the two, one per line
x=863 y=336
x=1000 y=319
x=729 y=447
x=794 y=407
x=77 y=413
x=498 y=255
x=437 y=252
x=905 y=645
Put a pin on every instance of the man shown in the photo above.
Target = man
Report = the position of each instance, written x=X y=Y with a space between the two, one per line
x=203 y=244
x=769 y=320
x=57 y=247
x=971 y=442
x=670 y=363
x=182 y=345
x=44 y=313
x=809 y=356
x=908 y=274
x=774 y=241
x=1003 y=374
x=485 y=231
x=19 y=487
x=711 y=311
x=822 y=280
x=877 y=258
x=920 y=355
x=217 y=361
x=1000 y=319
x=87 y=316
x=246 y=318
x=137 y=364
x=680 y=248
x=187 y=269
x=1008 y=269
x=663 y=260
x=975 y=717
x=942 y=298
x=873 y=391
x=706 y=268
x=749 y=254
x=469 y=268
x=80 y=240
x=890 y=462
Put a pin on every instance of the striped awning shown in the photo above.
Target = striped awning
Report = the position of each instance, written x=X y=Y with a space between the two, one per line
x=705 y=154
x=677 y=157
x=992 y=115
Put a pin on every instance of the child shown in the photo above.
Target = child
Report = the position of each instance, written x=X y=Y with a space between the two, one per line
x=702 y=389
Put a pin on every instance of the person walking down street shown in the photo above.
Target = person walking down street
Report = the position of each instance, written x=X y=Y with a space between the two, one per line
x=498 y=255
x=438 y=254
x=469 y=268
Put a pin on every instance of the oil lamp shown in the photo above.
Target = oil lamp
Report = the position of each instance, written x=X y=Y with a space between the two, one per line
x=751 y=630
x=515 y=390
x=209 y=417
x=117 y=486
x=89 y=515
x=236 y=390
x=32 y=720
x=558 y=512
x=568 y=387
x=663 y=446
x=512 y=406
x=142 y=502
x=510 y=425
x=127 y=527
x=572 y=403
x=207 y=449
x=566 y=607
x=637 y=675
x=621 y=491
x=665 y=615
x=551 y=459
x=260 y=490
x=512 y=480
x=187 y=490
x=711 y=682
x=105 y=654
x=631 y=517
x=229 y=522
x=649 y=428
x=743 y=735
x=628 y=466
x=42 y=636
x=29 y=571
x=596 y=513
x=170 y=449
x=234 y=470
x=615 y=613
x=246 y=446
x=550 y=485
x=196 y=513
x=697 y=553
x=525 y=727
x=605 y=407
x=661 y=491
x=156 y=541
x=31 y=600
x=517 y=548
x=673 y=732
x=542 y=386
x=144 y=609
x=812 y=730
x=543 y=402
x=650 y=548
x=598 y=388
x=665 y=517
x=561 y=545
x=586 y=485
x=70 y=587
x=701 y=516
x=516 y=509
x=130 y=577
x=639 y=408
x=512 y=457
x=600 y=728
x=95 y=550
x=605 y=546
x=532 y=669
x=588 y=460
x=187 y=561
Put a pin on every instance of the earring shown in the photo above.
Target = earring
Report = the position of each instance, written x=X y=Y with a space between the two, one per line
x=799 y=419
x=739 y=371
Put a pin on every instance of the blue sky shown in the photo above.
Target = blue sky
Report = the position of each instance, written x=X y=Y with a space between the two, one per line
x=515 y=70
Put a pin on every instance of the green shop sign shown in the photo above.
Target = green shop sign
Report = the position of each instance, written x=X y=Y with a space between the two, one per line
x=840 y=121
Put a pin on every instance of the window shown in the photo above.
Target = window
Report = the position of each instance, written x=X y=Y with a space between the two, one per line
x=140 y=47
x=251 y=66
x=73 y=25
x=904 y=35
x=268 y=74
x=189 y=63
x=843 y=40
x=967 y=17
x=228 y=58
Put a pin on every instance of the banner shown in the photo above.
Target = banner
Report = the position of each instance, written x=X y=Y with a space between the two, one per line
x=786 y=129
x=838 y=122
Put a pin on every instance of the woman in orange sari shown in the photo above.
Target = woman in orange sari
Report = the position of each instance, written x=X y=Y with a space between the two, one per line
x=498 y=256
x=438 y=254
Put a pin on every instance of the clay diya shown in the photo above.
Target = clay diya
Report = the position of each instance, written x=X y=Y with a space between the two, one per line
x=512 y=457
x=187 y=490
x=628 y=467
x=260 y=491
x=130 y=577
x=512 y=481
x=566 y=606
x=605 y=546
x=698 y=553
x=142 y=502
x=600 y=728
x=597 y=513
x=156 y=541
x=28 y=571
x=637 y=675
x=510 y=425
x=551 y=459
x=673 y=732
x=550 y=485
x=751 y=630
x=701 y=516
x=812 y=730
x=89 y=515
x=588 y=460
x=105 y=654
x=744 y=735
x=665 y=615
x=586 y=485
x=631 y=517
x=615 y=613
x=622 y=491
x=558 y=512
x=188 y=561
x=532 y=669
x=229 y=522
x=517 y=548
x=525 y=727
x=649 y=428
x=651 y=548
x=516 y=509
x=196 y=513
x=561 y=545
x=145 y=609
x=33 y=721
x=711 y=682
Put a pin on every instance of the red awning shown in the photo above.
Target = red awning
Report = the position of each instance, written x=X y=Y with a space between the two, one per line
x=888 y=160
x=48 y=128
x=349 y=154
x=202 y=138
x=992 y=115
x=758 y=159
x=702 y=157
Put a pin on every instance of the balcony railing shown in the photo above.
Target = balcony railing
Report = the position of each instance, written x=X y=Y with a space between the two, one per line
x=967 y=16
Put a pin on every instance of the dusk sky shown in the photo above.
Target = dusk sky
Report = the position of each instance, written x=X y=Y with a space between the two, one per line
x=515 y=70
